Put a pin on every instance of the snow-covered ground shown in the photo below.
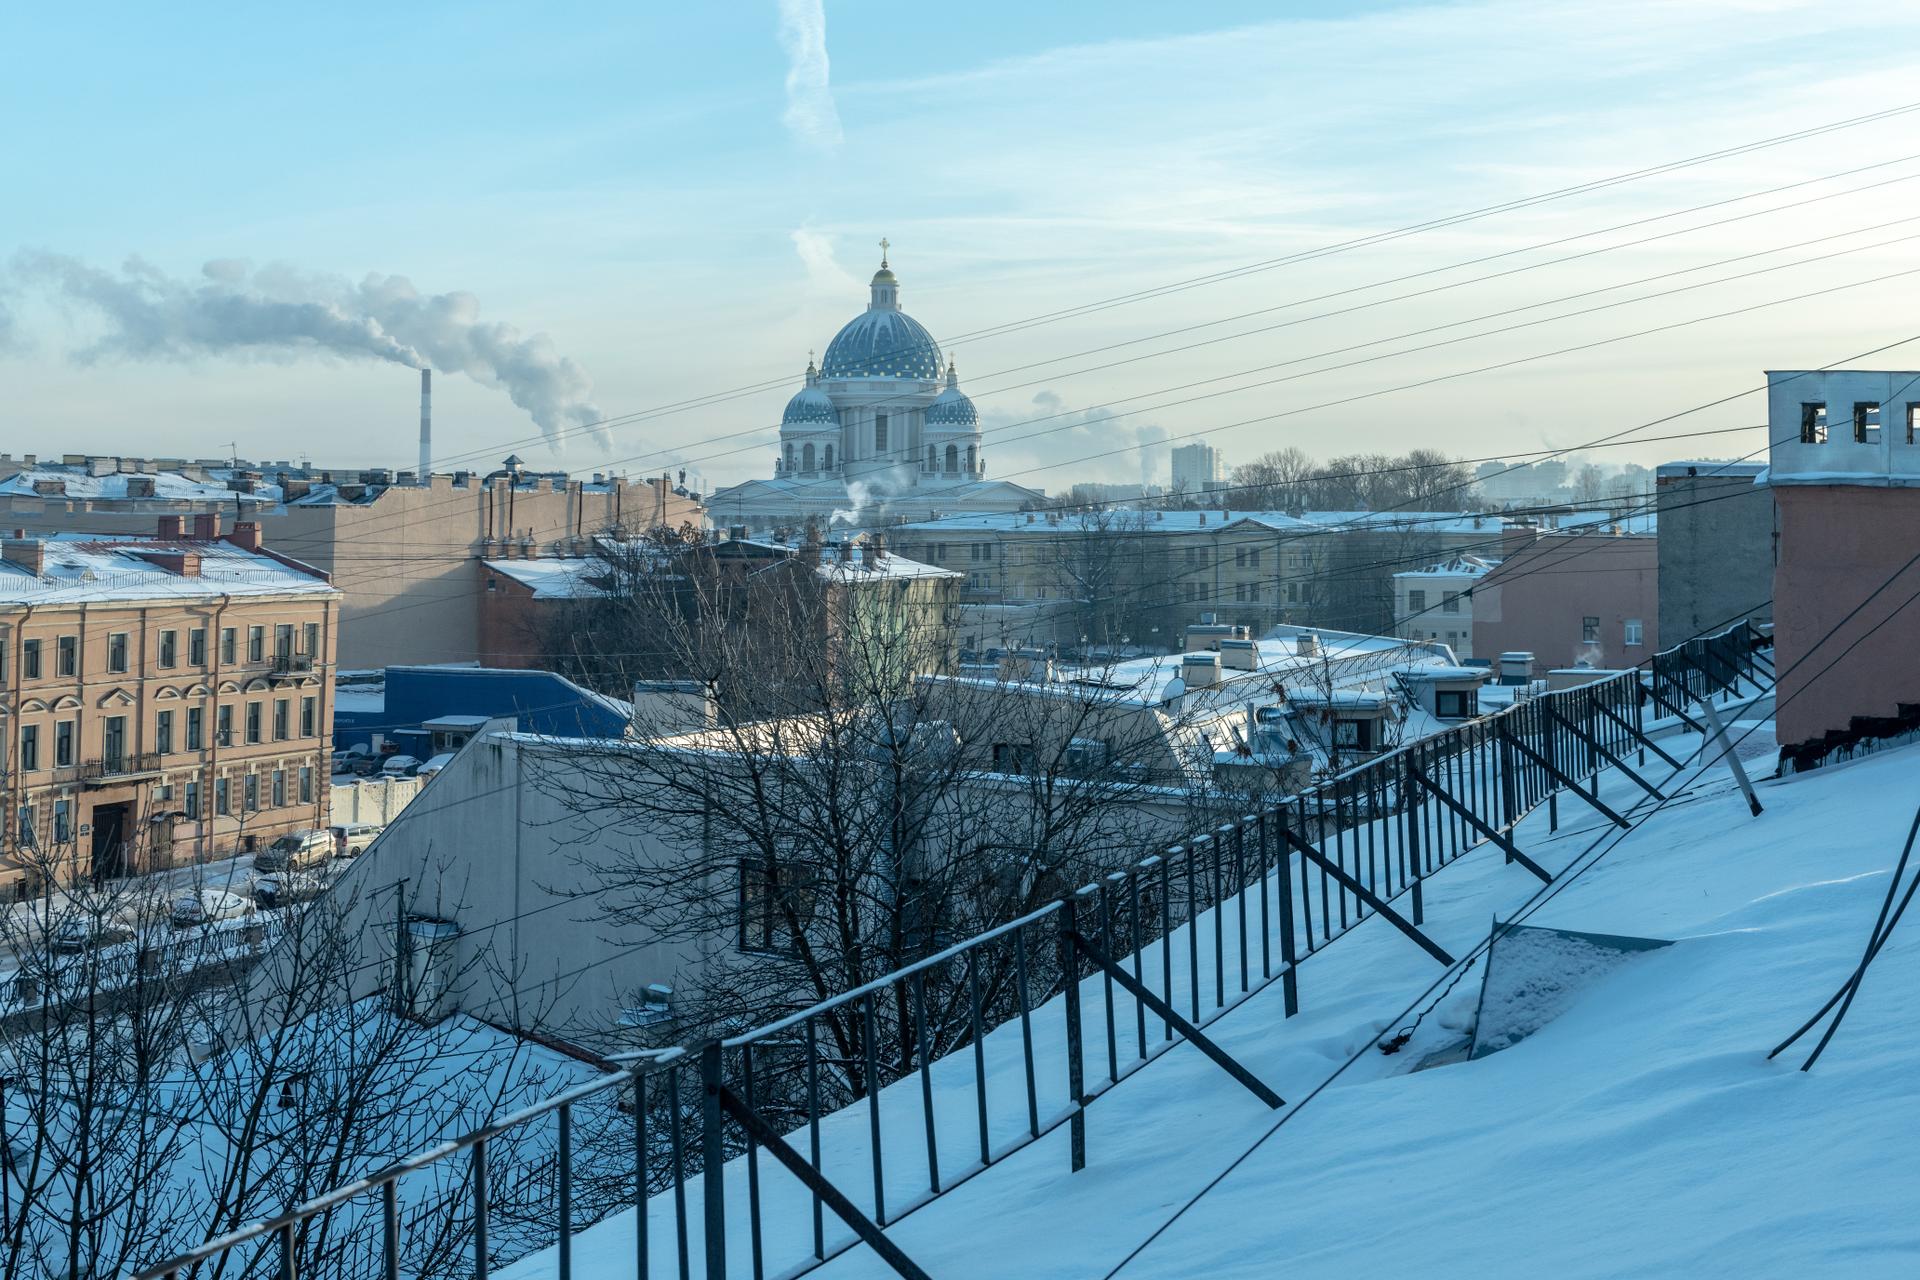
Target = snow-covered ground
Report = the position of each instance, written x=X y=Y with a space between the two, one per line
x=1643 y=1132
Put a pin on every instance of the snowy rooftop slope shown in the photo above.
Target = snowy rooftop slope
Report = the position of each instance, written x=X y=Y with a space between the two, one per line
x=88 y=568
x=1641 y=1133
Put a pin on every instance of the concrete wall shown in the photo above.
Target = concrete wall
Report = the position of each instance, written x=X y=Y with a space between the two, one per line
x=375 y=800
x=1536 y=601
x=1716 y=547
x=1839 y=544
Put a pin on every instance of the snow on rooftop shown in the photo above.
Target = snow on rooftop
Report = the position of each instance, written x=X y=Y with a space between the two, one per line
x=1641 y=1132
x=555 y=579
x=166 y=485
x=88 y=568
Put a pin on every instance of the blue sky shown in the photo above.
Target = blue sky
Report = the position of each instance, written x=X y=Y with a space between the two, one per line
x=685 y=199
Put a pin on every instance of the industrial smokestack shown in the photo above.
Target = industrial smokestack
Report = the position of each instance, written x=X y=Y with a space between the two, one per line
x=426 y=428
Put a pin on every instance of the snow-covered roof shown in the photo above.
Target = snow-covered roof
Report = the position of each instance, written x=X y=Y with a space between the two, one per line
x=88 y=568
x=568 y=578
x=1458 y=567
x=862 y=564
x=1637 y=522
x=1648 y=1130
x=168 y=486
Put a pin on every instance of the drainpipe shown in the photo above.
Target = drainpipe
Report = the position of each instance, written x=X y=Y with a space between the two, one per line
x=213 y=730
x=17 y=782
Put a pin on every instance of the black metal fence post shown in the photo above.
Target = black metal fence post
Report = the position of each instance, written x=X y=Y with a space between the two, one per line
x=713 y=1161
x=1076 y=1084
x=565 y=1172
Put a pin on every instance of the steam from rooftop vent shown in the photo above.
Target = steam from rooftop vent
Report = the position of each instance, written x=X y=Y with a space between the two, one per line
x=279 y=313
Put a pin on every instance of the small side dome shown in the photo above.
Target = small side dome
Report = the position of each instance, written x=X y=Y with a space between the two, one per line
x=810 y=407
x=952 y=408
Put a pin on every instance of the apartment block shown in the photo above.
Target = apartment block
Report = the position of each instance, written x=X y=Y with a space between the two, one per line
x=163 y=699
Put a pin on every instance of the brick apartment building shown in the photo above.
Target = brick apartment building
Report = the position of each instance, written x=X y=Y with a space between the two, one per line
x=163 y=699
x=402 y=553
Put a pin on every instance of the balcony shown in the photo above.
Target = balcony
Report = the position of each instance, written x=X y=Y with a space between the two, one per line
x=110 y=769
x=290 y=666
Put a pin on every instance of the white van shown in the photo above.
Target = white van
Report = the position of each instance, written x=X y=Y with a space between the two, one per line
x=296 y=849
x=351 y=839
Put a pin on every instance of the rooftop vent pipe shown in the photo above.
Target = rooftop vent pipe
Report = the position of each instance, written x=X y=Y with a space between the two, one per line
x=426 y=425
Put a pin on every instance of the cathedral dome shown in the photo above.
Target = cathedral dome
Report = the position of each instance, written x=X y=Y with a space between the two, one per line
x=952 y=408
x=883 y=341
x=882 y=344
x=810 y=407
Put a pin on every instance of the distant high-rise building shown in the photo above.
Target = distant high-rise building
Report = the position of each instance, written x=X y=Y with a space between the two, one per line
x=1196 y=468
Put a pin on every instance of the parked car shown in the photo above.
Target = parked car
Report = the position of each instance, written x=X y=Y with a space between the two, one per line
x=368 y=765
x=345 y=759
x=82 y=932
x=434 y=765
x=297 y=849
x=286 y=888
x=351 y=839
x=400 y=766
x=206 y=906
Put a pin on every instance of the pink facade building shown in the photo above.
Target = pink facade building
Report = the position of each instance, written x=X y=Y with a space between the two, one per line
x=1590 y=595
x=1844 y=465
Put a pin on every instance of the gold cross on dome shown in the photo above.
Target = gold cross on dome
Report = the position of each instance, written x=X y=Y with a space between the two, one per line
x=884 y=246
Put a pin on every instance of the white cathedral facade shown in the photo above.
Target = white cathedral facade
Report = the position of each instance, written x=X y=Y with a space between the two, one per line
x=878 y=430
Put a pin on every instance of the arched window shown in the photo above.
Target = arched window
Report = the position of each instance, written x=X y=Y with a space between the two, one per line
x=973 y=454
x=806 y=459
x=789 y=457
x=933 y=460
x=953 y=459
x=880 y=434
x=827 y=463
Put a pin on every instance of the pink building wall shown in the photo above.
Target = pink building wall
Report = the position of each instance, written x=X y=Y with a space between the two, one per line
x=1537 y=599
x=1838 y=545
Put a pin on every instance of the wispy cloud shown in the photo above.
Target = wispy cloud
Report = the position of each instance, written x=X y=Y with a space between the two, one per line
x=825 y=275
x=811 y=113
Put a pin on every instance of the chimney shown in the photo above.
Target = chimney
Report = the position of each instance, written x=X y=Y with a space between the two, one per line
x=245 y=535
x=173 y=528
x=426 y=424
x=28 y=553
x=50 y=487
x=140 y=487
x=206 y=526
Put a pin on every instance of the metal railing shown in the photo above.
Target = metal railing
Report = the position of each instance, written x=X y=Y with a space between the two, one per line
x=776 y=1149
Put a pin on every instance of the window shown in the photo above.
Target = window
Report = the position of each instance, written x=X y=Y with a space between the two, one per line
x=1590 y=630
x=169 y=648
x=1416 y=602
x=62 y=821
x=196 y=726
x=1012 y=757
x=190 y=805
x=1455 y=704
x=879 y=433
x=63 y=744
x=197 y=646
x=30 y=660
x=1813 y=424
x=253 y=722
x=283 y=640
x=117 y=651
x=313 y=638
x=29 y=748
x=826 y=464
x=1353 y=733
x=256 y=644
x=1450 y=602
x=279 y=788
x=773 y=898
x=953 y=459
x=1240 y=592
x=113 y=743
x=279 y=719
x=163 y=732
x=307 y=717
x=26 y=826
x=1293 y=593
x=1913 y=420
x=1633 y=631
x=306 y=785
x=806 y=458
x=226 y=646
x=221 y=804
x=1866 y=422
x=252 y=785
x=1239 y=557
x=224 y=729
x=67 y=661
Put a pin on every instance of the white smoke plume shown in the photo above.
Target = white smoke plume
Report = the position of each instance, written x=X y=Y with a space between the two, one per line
x=811 y=114
x=862 y=496
x=279 y=313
